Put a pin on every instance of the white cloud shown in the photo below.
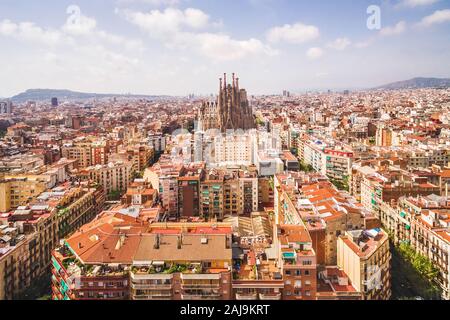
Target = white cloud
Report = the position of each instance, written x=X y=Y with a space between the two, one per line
x=29 y=32
x=314 y=53
x=399 y=28
x=82 y=26
x=183 y=30
x=364 y=44
x=416 y=3
x=439 y=16
x=160 y=24
x=296 y=33
x=155 y=3
x=340 y=44
x=8 y=28
x=196 y=18
x=223 y=47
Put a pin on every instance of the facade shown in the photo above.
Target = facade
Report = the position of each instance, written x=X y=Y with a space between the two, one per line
x=114 y=176
x=5 y=107
x=422 y=223
x=365 y=258
x=16 y=192
x=235 y=149
x=34 y=230
x=335 y=163
x=299 y=263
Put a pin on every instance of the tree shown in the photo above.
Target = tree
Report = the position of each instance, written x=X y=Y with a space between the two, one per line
x=114 y=195
x=305 y=167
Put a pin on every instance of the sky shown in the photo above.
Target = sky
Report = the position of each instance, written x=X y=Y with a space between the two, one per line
x=178 y=47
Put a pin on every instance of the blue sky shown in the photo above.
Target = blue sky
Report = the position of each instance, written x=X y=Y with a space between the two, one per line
x=183 y=46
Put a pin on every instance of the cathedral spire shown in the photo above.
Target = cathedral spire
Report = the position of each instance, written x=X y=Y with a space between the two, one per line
x=225 y=81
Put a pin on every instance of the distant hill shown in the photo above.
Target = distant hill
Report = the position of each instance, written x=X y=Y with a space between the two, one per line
x=48 y=94
x=417 y=83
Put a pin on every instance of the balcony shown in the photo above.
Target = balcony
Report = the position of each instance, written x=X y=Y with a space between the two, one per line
x=155 y=296
x=246 y=296
x=140 y=286
x=211 y=296
x=150 y=276
x=199 y=285
x=270 y=296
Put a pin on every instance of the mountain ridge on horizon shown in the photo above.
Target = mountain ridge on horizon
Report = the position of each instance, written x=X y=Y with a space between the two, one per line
x=416 y=83
x=61 y=94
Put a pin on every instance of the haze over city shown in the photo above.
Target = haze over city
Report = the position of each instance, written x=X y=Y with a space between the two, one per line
x=173 y=47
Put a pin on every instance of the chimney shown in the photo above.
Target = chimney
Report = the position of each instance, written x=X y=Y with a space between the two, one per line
x=179 y=242
x=156 y=245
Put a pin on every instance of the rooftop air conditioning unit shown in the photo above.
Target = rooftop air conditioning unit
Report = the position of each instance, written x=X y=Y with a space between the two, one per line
x=204 y=240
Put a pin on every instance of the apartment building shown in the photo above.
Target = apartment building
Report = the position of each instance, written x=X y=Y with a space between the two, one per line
x=365 y=257
x=163 y=177
x=312 y=200
x=391 y=185
x=31 y=232
x=140 y=193
x=15 y=262
x=114 y=176
x=299 y=263
x=257 y=264
x=334 y=284
x=89 y=151
x=235 y=149
x=146 y=262
x=423 y=223
x=16 y=192
x=140 y=156
x=189 y=191
x=334 y=162
x=212 y=198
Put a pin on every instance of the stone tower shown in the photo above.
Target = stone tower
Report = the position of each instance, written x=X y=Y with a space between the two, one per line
x=231 y=110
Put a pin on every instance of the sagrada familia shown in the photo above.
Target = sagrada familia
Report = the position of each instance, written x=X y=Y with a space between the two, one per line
x=231 y=110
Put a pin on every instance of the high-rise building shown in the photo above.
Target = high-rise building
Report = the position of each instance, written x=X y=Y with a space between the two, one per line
x=231 y=111
x=54 y=102
x=5 y=107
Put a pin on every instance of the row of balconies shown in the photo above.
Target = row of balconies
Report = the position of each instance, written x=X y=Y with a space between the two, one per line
x=255 y=296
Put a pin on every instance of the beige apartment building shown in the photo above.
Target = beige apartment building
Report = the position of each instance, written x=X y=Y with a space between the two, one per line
x=16 y=192
x=15 y=267
x=365 y=258
x=115 y=176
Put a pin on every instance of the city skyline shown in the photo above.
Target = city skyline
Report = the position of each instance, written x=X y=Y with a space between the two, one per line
x=172 y=47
